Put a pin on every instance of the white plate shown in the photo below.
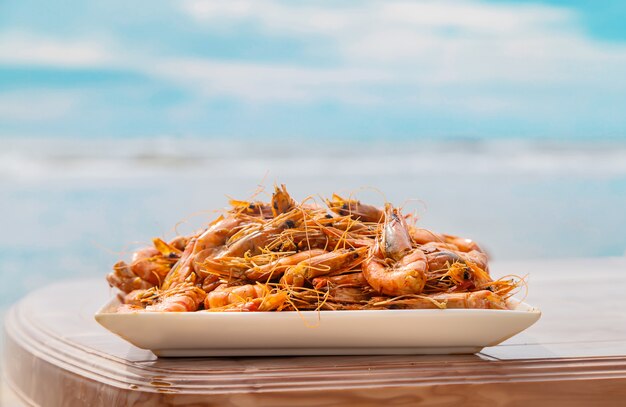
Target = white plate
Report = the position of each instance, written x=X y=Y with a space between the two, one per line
x=318 y=333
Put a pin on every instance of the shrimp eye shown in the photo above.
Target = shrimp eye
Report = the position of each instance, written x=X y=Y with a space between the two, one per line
x=251 y=206
x=344 y=206
x=172 y=255
x=290 y=224
x=328 y=216
x=466 y=275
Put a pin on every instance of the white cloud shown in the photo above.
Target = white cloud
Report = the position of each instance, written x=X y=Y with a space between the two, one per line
x=472 y=16
x=18 y=48
x=272 y=15
x=432 y=43
x=461 y=55
x=269 y=82
x=37 y=105
x=366 y=16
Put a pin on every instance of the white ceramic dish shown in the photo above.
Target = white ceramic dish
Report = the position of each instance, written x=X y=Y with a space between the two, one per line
x=318 y=333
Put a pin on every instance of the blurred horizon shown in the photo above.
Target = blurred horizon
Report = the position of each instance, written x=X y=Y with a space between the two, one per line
x=273 y=70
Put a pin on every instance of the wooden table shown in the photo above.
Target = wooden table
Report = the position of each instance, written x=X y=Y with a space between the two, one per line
x=56 y=355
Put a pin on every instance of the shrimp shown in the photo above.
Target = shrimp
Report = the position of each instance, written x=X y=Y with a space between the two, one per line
x=440 y=261
x=258 y=237
x=464 y=245
x=250 y=244
x=290 y=255
x=129 y=308
x=225 y=295
x=440 y=255
x=183 y=298
x=303 y=239
x=183 y=270
x=170 y=250
x=483 y=299
x=277 y=267
x=210 y=243
x=347 y=280
x=139 y=297
x=217 y=234
x=422 y=236
x=256 y=208
x=281 y=201
x=345 y=288
x=425 y=236
x=394 y=267
x=244 y=298
x=478 y=258
x=334 y=262
x=340 y=238
x=355 y=209
x=150 y=265
x=124 y=279
x=179 y=242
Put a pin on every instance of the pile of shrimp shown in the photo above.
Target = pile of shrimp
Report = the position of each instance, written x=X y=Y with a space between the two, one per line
x=288 y=256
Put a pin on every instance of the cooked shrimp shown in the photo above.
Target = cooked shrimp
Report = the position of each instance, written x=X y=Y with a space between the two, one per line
x=256 y=208
x=244 y=298
x=128 y=308
x=182 y=271
x=281 y=201
x=169 y=250
x=422 y=236
x=251 y=244
x=183 y=298
x=217 y=233
x=139 y=297
x=440 y=253
x=225 y=295
x=347 y=280
x=179 y=242
x=478 y=258
x=394 y=267
x=355 y=209
x=345 y=288
x=483 y=299
x=269 y=302
x=254 y=238
x=406 y=276
x=123 y=278
x=286 y=255
x=464 y=245
x=395 y=239
x=302 y=237
x=340 y=238
x=276 y=268
x=150 y=266
x=441 y=260
x=334 y=262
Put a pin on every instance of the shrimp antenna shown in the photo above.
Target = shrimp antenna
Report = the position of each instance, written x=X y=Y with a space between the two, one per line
x=352 y=194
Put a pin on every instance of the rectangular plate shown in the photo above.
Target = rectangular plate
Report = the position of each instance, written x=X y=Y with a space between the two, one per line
x=367 y=332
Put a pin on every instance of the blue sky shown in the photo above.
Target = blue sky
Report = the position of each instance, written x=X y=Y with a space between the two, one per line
x=365 y=69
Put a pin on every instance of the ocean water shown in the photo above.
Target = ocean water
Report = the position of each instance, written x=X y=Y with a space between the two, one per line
x=73 y=208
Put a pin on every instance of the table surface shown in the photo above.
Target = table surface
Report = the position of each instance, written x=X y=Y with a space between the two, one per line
x=56 y=354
